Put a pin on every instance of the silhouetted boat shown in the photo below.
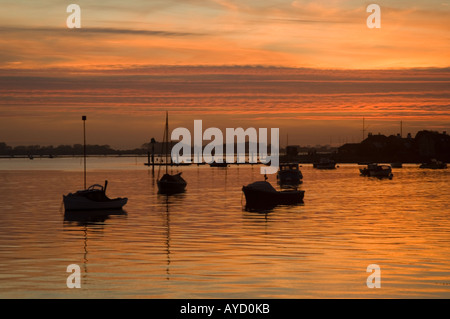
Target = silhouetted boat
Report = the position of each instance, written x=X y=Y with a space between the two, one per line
x=170 y=184
x=92 y=198
x=434 y=164
x=375 y=170
x=261 y=194
x=289 y=175
x=325 y=163
x=396 y=165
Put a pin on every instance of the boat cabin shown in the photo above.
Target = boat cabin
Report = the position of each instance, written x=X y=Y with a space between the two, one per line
x=289 y=167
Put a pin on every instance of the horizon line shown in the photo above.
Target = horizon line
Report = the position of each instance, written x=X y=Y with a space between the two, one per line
x=120 y=67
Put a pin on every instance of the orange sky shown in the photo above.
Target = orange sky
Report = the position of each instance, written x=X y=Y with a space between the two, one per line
x=317 y=34
x=126 y=107
x=281 y=59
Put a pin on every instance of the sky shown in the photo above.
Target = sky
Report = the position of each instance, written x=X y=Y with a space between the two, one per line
x=312 y=68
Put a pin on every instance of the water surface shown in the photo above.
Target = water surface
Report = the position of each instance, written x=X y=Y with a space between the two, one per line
x=203 y=244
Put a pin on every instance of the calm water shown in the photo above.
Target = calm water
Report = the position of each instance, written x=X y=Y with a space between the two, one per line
x=202 y=244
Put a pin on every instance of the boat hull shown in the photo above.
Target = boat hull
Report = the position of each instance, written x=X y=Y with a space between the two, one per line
x=262 y=199
x=165 y=187
x=171 y=184
x=434 y=166
x=377 y=171
x=73 y=202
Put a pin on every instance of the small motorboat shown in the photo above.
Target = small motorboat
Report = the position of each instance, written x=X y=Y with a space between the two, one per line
x=325 y=163
x=289 y=175
x=375 y=170
x=434 y=164
x=261 y=194
x=92 y=198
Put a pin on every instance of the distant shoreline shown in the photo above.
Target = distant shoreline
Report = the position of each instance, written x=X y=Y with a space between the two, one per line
x=193 y=164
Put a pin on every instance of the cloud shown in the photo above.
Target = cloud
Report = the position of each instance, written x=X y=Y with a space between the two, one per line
x=226 y=32
x=90 y=30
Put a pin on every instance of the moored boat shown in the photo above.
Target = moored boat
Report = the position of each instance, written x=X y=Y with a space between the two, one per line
x=375 y=170
x=261 y=194
x=325 y=163
x=434 y=164
x=92 y=198
x=289 y=175
x=170 y=184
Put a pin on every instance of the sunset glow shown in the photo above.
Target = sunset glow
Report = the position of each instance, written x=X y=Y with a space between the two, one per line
x=308 y=65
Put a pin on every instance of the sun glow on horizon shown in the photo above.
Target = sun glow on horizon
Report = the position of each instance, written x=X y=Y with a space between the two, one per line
x=312 y=67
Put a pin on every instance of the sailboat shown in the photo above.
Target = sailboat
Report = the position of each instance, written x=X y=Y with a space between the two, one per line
x=169 y=184
x=91 y=198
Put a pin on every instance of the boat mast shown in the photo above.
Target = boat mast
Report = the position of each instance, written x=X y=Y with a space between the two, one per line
x=363 y=130
x=167 y=139
x=84 y=147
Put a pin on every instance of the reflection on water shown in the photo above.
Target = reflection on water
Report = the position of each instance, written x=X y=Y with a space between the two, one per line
x=204 y=244
x=91 y=217
x=88 y=221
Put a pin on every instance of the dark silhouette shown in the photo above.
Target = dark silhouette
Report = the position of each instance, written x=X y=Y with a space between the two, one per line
x=424 y=147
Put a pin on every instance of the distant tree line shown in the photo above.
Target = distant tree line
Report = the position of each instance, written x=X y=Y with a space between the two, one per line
x=74 y=150
x=425 y=146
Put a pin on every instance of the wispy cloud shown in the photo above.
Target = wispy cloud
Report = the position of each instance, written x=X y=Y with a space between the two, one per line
x=88 y=30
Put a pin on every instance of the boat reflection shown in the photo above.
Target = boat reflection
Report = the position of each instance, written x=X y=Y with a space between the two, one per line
x=166 y=201
x=88 y=221
x=86 y=217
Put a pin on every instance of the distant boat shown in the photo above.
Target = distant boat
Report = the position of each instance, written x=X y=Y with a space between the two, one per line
x=214 y=164
x=434 y=164
x=289 y=175
x=261 y=194
x=325 y=163
x=31 y=157
x=170 y=184
x=375 y=170
x=94 y=197
x=396 y=165
x=170 y=164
